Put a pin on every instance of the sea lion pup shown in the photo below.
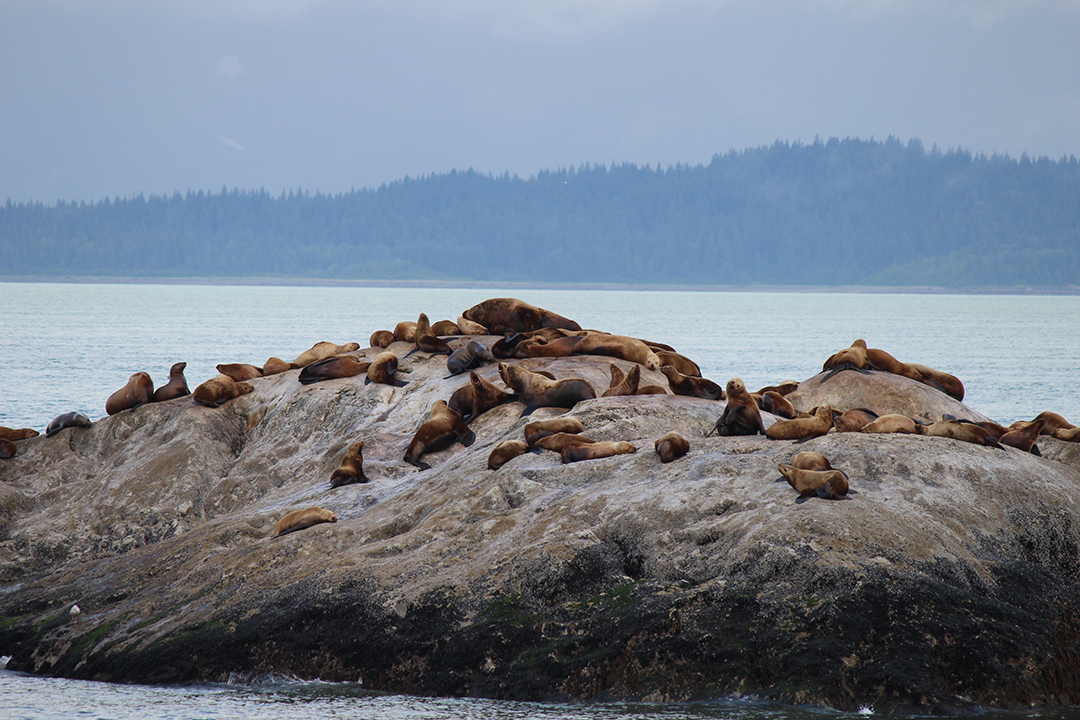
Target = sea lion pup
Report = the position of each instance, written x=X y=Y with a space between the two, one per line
x=1067 y=434
x=575 y=452
x=138 y=391
x=671 y=447
x=8 y=449
x=381 y=339
x=436 y=433
x=510 y=315
x=12 y=434
x=854 y=420
x=468 y=357
x=680 y=362
x=828 y=484
x=331 y=368
x=775 y=403
x=542 y=428
x=477 y=397
x=691 y=386
x=536 y=390
x=802 y=428
x=623 y=383
x=506 y=451
x=468 y=327
x=68 y=419
x=276 y=366
x=1024 y=438
x=1052 y=422
x=443 y=328
x=893 y=423
x=175 y=387
x=741 y=415
x=943 y=381
x=426 y=340
x=965 y=432
x=810 y=460
x=383 y=369
x=850 y=358
x=620 y=346
x=405 y=331
x=240 y=372
x=217 y=391
x=351 y=469
x=542 y=347
x=302 y=519
x=321 y=350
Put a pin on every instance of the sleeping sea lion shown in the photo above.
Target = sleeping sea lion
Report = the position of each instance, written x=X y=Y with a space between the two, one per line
x=12 y=434
x=275 y=366
x=943 y=381
x=443 y=328
x=557 y=441
x=810 y=460
x=477 y=397
x=405 y=331
x=1068 y=434
x=436 y=433
x=468 y=327
x=301 y=519
x=854 y=419
x=881 y=360
x=680 y=362
x=240 y=372
x=542 y=428
x=741 y=415
x=351 y=469
x=217 y=391
x=536 y=390
x=893 y=423
x=1052 y=422
x=383 y=369
x=828 y=484
x=8 y=449
x=623 y=384
x=381 y=339
x=785 y=388
x=138 y=391
x=472 y=355
x=850 y=358
x=802 y=428
x=542 y=347
x=965 y=432
x=332 y=368
x=506 y=451
x=576 y=452
x=175 y=387
x=691 y=386
x=620 y=346
x=321 y=350
x=68 y=419
x=510 y=315
x=775 y=403
x=671 y=447
x=652 y=390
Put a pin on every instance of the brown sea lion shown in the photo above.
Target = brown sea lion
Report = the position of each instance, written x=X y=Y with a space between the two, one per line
x=276 y=366
x=652 y=390
x=138 y=391
x=332 y=368
x=680 y=362
x=468 y=327
x=943 y=381
x=8 y=449
x=1068 y=434
x=1052 y=422
x=443 y=328
x=436 y=433
x=854 y=420
x=381 y=339
x=535 y=390
x=351 y=469
x=623 y=383
x=68 y=419
x=850 y=358
x=506 y=451
x=785 y=388
x=542 y=428
x=302 y=519
x=542 y=347
x=557 y=441
x=956 y=430
x=802 y=428
x=741 y=415
x=240 y=372
x=691 y=386
x=477 y=397
x=469 y=356
x=12 y=434
x=881 y=360
x=405 y=331
x=592 y=451
x=620 y=346
x=426 y=340
x=215 y=392
x=810 y=460
x=510 y=315
x=383 y=369
x=775 y=403
x=176 y=386
x=893 y=423
x=1024 y=439
x=671 y=446
x=321 y=350
x=828 y=484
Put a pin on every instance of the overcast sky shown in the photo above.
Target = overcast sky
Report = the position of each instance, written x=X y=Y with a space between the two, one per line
x=119 y=97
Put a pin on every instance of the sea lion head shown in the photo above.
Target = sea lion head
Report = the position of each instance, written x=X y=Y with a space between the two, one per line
x=736 y=387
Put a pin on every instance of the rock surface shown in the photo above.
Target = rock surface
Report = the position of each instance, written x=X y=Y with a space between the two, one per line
x=949 y=577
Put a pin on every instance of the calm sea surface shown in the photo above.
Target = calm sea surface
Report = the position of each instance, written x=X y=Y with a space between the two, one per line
x=69 y=346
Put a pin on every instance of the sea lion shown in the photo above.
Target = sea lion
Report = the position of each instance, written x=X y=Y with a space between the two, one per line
x=216 y=391
x=881 y=360
x=943 y=381
x=405 y=331
x=963 y=431
x=302 y=519
x=850 y=358
x=510 y=315
x=828 y=484
x=680 y=362
x=893 y=423
x=691 y=386
x=383 y=369
x=381 y=339
x=1024 y=439
x=785 y=388
x=477 y=397
x=557 y=441
x=542 y=347
x=775 y=403
x=240 y=372
x=426 y=340
x=536 y=390
x=506 y=451
x=854 y=419
x=620 y=346
x=12 y=434
x=810 y=460
x=1052 y=422
x=175 y=387
x=8 y=449
x=542 y=428
x=504 y=347
x=671 y=447
x=576 y=452
x=468 y=327
x=472 y=355
x=332 y=368
x=443 y=328
x=351 y=469
x=652 y=390
x=276 y=366
x=1067 y=434
x=138 y=391
x=802 y=428
x=321 y=350
x=623 y=384
x=68 y=419
x=442 y=428
x=741 y=415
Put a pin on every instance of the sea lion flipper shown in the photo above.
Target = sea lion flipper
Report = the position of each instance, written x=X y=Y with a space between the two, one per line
x=415 y=349
x=528 y=410
x=1035 y=450
x=367 y=381
x=399 y=383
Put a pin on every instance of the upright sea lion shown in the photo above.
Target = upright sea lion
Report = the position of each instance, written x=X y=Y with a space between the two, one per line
x=854 y=419
x=68 y=419
x=506 y=451
x=477 y=397
x=810 y=460
x=240 y=372
x=8 y=449
x=741 y=415
x=963 y=431
x=943 y=381
x=510 y=315
x=691 y=386
x=893 y=423
x=321 y=350
x=468 y=327
x=541 y=428
x=176 y=386
x=426 y=340
x=802 y=428
x=671 y=446
x=557 y=441
x=301 y=519
x=351 y=469
x=620 y=346
x=436 y=433
x=472 y=355
x=1024 y=439
x=12 y=434
x=829 y=484
x=443 y=328
x=381 y=339
x=383 y=369
x=680 y=362
x=851 y=358
x=332 y=368
x=535 y=390
x=405 y=331
x=623 y=384
x=275 y=366
x=592 y=451
x=215 y=392
x=775 y=403
x=138 y=391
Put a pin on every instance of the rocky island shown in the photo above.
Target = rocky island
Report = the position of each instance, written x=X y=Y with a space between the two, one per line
x=947 y=578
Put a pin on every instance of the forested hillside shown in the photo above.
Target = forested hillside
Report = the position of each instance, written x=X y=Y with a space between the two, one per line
x=841 y=212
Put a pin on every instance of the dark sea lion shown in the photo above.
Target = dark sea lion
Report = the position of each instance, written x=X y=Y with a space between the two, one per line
x=802 y=428
x=506 y=451
x=276 y=366
x=1024 y=438
x=741 y=415
x=828 y=484
x=680 y=362
x=854 y=419
x=850 y=358
x=8 y=449
x=68 y=419
x=302 y=519
x=956 y=430
x=381 y=339
x=810 y=460
x=443 y=328
x=332 y=368
x=468 y=327
x=893 y=423
x=470 y=356
x=510 y=315
x=623 y=383
x=592 y=451
x=620 y=346
x=477 y=397
x=504 y=348
x=240 y=372
x=426 y=340
x=775 y=403
x=351 y=469
x=994 y=429
x=943 y=381
x=536 y=390
x=321 y=350
x=405 y=331
x=557 y=441
x=436 y=433
x=671 y=446
x=541 y=347
x=691 y=386
x=217 y=391
x=542 y=428
x=138 y=391
x=176 y=386
x=383 y=369
x=12 y=434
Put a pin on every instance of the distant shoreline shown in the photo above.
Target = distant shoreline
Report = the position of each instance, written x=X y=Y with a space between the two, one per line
x=521 y=285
